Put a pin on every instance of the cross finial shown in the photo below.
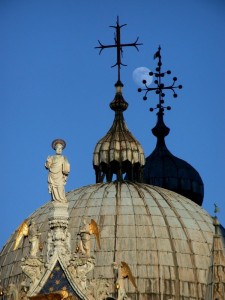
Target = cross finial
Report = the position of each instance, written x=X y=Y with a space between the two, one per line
x=160 y=87
x=119 y=46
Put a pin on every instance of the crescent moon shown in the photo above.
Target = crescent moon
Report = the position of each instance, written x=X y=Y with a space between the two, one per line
x=140 y=74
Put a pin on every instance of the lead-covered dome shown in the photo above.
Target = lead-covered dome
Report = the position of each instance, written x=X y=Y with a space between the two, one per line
x=165 y=239
x=164 y=169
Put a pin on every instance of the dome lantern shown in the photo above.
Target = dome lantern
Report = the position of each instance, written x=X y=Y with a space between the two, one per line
x=118 y=152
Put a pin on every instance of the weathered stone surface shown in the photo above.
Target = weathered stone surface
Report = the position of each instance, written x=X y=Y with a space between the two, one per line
x=165 y=238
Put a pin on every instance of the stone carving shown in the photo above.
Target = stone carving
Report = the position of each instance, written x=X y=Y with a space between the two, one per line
x=82 y=263
x=21 y=233
x=58 y=240
x=34 y=239
x=99 y=288
x=123 y=271
x=12 y=292
x=50 y=247
x=79 y=267
x=33 y=268
x=59 y=169
x=23 y=293
x=86 y=230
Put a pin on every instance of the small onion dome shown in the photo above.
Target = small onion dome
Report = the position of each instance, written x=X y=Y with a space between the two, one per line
x=118 y=152
x=164 y=169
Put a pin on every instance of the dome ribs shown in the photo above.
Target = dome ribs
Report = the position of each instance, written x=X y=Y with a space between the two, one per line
x=190 y=240
x=164 y=237
x=140 y=247
x=187 y=236
x=176 y=266
x=125 y=233
x=104 y=252
x=132 y=262
x=118 y=197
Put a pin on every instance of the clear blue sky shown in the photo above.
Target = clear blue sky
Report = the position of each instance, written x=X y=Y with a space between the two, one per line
x=53 y=83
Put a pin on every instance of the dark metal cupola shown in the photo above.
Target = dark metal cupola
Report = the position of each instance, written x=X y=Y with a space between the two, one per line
x=162 y=168
x=118 y=152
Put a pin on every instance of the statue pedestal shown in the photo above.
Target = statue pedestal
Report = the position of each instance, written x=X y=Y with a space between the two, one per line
x=58 y=211
x=58 y=237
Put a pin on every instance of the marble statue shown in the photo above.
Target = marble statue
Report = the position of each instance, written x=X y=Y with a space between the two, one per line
x=59 y=169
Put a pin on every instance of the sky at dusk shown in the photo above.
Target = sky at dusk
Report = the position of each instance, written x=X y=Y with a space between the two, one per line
x=54 y=84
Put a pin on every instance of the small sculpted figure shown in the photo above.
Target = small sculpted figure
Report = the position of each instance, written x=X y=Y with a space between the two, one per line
x=34 y=239
x=123 y=271
x=59 y=169
x=85 y=233
x=50 y=246
x=32 y=267
x=85 y=239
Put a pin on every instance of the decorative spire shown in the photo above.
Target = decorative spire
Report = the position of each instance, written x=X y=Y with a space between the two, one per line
x=160 y=130
x=162 y=168
x=216 y=277
x=119 y=46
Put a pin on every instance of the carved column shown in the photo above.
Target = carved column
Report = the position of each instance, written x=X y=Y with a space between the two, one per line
x=58 y=237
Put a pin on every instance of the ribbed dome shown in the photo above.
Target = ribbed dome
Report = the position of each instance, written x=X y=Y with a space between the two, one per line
x=164 y=169
x=118 y=152
x=165 y=238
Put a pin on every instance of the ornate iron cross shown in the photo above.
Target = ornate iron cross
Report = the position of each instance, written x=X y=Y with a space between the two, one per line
x=119 y=46
x=160 y=87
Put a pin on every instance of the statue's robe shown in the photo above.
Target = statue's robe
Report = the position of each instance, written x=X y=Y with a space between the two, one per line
x=59 y=169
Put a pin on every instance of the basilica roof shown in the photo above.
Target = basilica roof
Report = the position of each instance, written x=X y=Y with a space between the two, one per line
x=165 y=238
